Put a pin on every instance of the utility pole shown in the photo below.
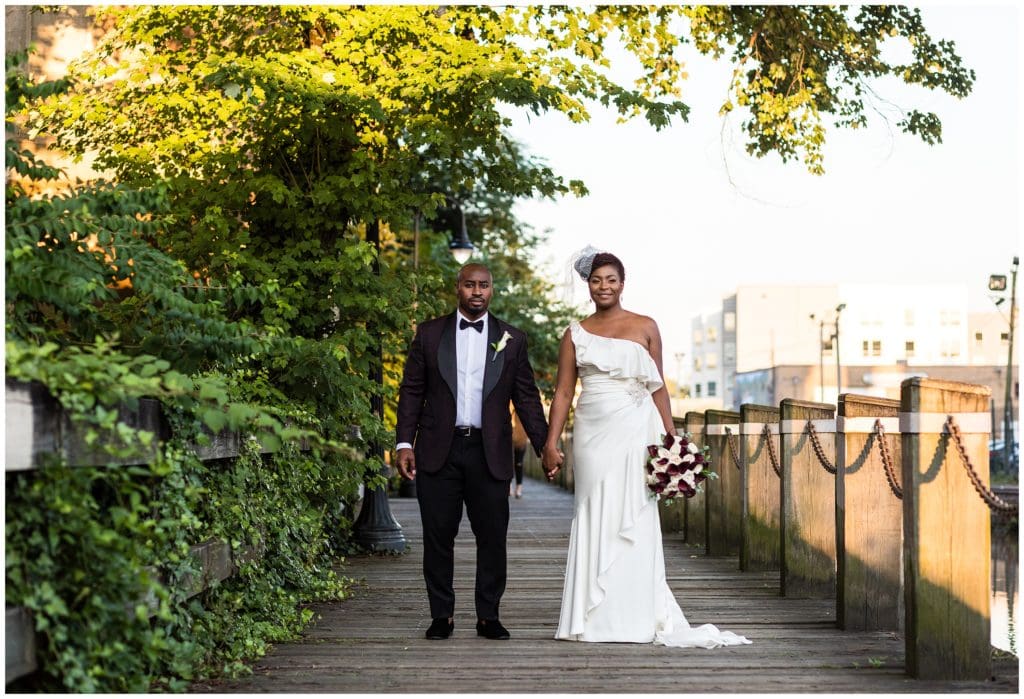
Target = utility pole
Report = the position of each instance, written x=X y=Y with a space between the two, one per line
x=1008 y=457
x=839 y=375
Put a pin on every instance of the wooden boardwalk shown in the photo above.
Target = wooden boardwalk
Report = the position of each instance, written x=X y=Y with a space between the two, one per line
x=373 y=642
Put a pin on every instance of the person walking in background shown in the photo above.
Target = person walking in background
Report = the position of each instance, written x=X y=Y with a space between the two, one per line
x=519 y=443
x=455 y=437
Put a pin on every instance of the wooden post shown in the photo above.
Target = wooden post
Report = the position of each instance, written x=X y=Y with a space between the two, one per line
x=946 y=531
x=869 y=517
x=808 y=499
x=724 y=502
x=761 y=529
x=696 y=512
x=673 y=516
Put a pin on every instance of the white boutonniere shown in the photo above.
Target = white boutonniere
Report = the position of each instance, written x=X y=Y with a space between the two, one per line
x=500 y=344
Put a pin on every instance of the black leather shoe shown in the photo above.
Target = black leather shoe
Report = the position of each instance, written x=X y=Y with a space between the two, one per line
x=492 y=629
x=440 y=629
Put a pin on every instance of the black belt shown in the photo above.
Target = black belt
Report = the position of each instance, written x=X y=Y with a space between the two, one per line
x=467 y=431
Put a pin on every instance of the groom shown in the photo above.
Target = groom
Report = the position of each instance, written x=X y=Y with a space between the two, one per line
x=453 y=404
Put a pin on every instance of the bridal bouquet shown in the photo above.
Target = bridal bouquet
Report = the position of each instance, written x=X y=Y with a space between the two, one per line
x=677 y=466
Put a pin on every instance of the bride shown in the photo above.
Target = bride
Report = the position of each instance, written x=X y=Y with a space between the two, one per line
x=615 y=587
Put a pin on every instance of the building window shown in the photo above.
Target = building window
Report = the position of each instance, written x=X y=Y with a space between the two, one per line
x=1004 y=338
x=729 y=353
x=826 y=346
x=909 y=348
x=696 y=363
x=711 y=360
x=978 y=338
x=697 y=337
x=712 y=334
x=729 y=321
x=712 y=389
x=872 y=348
x=697 y=390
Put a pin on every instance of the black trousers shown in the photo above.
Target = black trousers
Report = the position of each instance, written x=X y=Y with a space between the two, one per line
x=463 y=480
x=519 y=453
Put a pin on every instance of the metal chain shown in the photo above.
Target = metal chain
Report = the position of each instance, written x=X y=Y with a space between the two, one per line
x=890 y=472
x=826 y=464
x=991 y=499
x=729 y=440
x=772 y=458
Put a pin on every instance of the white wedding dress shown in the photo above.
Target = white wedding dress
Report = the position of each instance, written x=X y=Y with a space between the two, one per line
x=615 y=587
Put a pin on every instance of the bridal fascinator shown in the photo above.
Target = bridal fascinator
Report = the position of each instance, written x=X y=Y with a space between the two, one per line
x=580 y=263
x=583 y=261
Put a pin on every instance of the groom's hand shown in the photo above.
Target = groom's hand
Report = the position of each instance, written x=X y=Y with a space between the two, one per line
x=406 y=463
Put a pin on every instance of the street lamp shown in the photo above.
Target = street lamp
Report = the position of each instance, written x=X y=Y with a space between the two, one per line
x=821 y=357
x=839 y=382
x=460 y=246
x=997 y=282
x=376 y=528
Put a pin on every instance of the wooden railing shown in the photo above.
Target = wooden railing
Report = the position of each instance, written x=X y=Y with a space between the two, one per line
x=872 y=502
x=37 y=428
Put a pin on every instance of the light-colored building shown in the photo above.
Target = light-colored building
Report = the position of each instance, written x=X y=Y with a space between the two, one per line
x=707 y=369
x=770 y=342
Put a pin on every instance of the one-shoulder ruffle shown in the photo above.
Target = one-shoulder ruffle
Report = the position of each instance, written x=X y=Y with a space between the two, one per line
x=635 y=363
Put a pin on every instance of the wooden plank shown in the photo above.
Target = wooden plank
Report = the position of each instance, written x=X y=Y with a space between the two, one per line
x=761 y=540
x=20 y=643
x=372 y=642
x=32 y=425
x=808 y=496
x=869 y=521
x=696 y=515
x=947 y=538
x=723 y=494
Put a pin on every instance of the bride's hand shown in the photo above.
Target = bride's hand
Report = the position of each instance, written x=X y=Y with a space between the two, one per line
x=552 y=460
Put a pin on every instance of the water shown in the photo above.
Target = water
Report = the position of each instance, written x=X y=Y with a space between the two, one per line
x=1005 y=609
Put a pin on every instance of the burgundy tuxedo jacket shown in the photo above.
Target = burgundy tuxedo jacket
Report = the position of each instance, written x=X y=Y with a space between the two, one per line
x=426 y=398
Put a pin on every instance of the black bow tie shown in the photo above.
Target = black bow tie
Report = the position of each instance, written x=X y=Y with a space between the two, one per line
x=477 y=325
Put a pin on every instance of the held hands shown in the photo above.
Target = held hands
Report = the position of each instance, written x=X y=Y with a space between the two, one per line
x=406 y=463
x=552 y=460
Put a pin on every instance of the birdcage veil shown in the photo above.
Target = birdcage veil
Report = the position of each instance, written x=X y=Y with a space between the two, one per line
x=579 y=264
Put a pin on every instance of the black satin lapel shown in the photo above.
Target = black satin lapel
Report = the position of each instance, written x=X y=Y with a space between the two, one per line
x=495 y=363
x=446 y=361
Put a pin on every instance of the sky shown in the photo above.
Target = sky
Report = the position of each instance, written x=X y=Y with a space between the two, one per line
x=692 y=216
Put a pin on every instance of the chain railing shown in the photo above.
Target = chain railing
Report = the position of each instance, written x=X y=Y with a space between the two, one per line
x=991 y=499
x=825 y=463
x=730 y=440
x=773 y=458
x=890 y=472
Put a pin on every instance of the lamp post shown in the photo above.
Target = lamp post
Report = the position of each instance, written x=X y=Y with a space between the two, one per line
x=821 y=357
x=997 y=282
x=460 y=246
x=839 y=379
x=376 y=528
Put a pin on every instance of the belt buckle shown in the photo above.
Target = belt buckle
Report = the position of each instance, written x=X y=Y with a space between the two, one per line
x=464 y=431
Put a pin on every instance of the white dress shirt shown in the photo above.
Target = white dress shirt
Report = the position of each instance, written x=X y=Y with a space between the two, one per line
x=471 y=360
x=471 y=356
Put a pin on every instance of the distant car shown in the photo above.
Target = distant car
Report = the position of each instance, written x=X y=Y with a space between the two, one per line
x=996 y=452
